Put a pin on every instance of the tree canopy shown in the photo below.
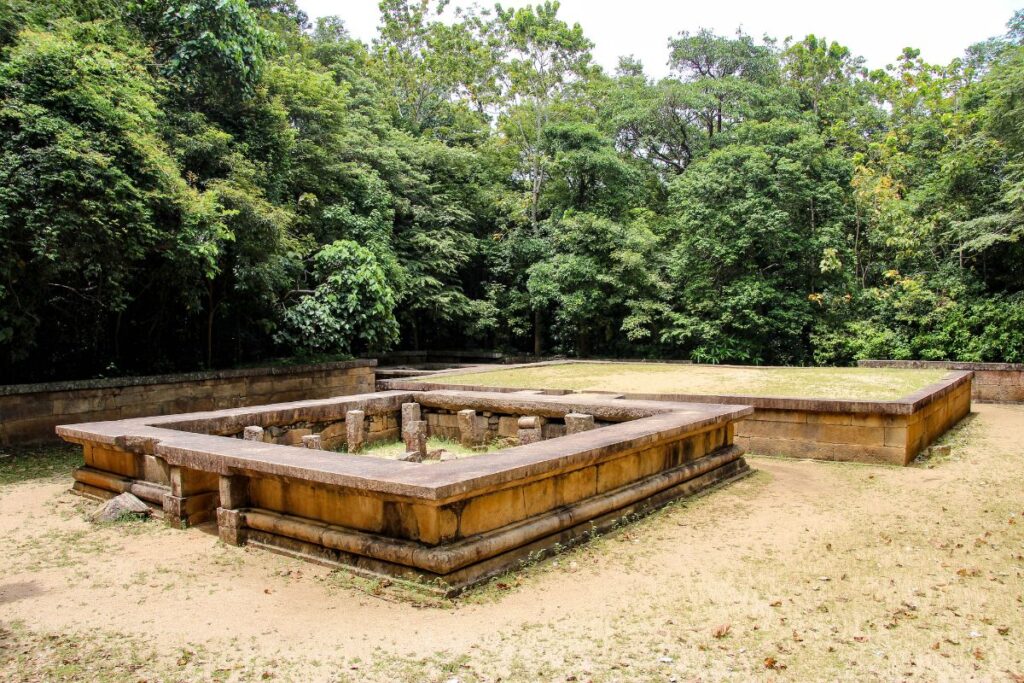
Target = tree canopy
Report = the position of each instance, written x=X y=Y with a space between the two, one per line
x=203 y=183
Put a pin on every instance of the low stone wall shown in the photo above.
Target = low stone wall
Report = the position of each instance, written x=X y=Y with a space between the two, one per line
x=885 y=432
x=30 y=412
x=867 y=435
x=993 y=382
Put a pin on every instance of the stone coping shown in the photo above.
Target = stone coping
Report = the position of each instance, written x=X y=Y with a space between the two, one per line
x=906 y=405
x=942 y=364
x=651 y=422
x=114 y=382
x=507 y=360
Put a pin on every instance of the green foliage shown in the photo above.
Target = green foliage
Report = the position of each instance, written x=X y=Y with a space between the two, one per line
x=755 y=222
x=213 y=46
x=351 y=308
x=87 y=187
x=193 y=183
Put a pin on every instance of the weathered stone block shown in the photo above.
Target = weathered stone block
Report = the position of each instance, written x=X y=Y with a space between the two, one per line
x=253 y=433
x=233 y=491
x=578 y=422
x=294 y=437
x=508 y=426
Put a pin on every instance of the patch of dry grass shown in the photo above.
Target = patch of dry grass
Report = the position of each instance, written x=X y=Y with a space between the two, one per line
x=667 y=378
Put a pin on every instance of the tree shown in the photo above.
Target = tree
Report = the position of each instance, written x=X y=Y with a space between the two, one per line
x=351 y=307
x=597 y=275
x=729 y=73
x=759 y=234
x=89 y=189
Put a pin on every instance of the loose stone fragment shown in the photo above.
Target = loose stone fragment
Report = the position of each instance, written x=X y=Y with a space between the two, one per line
x=119 y=507
x=446 y=456
x=411 y=456
x=355 y=430
x=578 y=422
x=253 y=433
x=312 y=441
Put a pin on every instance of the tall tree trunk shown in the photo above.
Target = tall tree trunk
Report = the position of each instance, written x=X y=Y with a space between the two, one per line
x=211 y=311
x=537 y=332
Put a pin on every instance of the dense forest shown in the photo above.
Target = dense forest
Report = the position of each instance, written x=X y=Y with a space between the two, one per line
x=206 y=183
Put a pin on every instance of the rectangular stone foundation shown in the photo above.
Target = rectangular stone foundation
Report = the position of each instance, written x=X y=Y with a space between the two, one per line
x=880 y=432
x=445 y=525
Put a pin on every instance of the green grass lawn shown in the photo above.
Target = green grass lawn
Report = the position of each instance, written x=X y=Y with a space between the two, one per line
x=666 y=378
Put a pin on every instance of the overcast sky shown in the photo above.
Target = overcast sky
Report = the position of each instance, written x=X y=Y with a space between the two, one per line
x=875 y=29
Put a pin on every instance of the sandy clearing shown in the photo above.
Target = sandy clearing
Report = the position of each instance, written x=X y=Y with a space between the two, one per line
x=831 y=571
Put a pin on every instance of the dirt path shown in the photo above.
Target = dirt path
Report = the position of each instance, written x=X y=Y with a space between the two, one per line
x=804 y=571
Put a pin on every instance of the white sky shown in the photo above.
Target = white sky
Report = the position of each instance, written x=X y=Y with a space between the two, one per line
x=875 y=29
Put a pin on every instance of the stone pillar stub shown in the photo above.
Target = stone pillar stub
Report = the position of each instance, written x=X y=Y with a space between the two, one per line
x=312 y=441
x=471 y=428
x=253 y=433
x=410 y=413
x=355 y=430
x=414 y=434
x=530 y=429
x=229 y=526
x=578 y=422
x=234 y=491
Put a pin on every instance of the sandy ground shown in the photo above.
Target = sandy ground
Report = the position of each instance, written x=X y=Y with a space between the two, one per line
x=804 y=571
x=669 y=378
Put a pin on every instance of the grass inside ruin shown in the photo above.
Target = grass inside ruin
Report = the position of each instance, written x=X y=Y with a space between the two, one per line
x=396 y=449
x=879 y=384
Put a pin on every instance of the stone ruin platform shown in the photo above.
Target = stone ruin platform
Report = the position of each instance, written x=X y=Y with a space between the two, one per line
x=878 y=432
x=585 y=463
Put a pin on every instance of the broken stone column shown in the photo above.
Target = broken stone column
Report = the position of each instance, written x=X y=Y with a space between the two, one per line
x=355 y=430
x=234 y=494
x=312 y=441
x=414 y=434
x=253 y=433
x=578 y=422
x=410 y=416
x=410 y=413
x=471 y=429
x=530 y=429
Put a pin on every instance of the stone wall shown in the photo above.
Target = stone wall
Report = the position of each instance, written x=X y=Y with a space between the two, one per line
x=30 y=412
x=993 y=382
x=867 y=436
